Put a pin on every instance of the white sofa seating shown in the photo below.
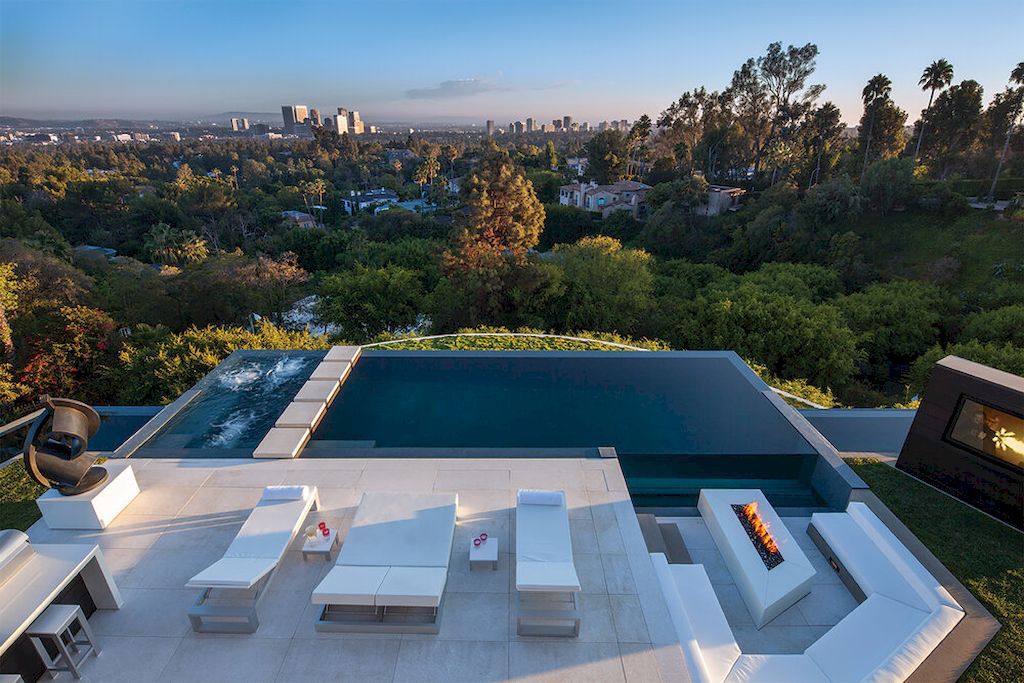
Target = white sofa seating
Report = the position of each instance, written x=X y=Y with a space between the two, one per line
x=904 y=617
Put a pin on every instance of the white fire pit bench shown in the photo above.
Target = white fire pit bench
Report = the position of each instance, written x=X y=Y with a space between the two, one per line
x=766 y=591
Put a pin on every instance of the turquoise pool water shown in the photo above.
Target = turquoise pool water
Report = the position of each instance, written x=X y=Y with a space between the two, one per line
x=679 y=421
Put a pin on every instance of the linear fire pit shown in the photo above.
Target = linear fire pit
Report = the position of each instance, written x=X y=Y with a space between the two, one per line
x=770 y=569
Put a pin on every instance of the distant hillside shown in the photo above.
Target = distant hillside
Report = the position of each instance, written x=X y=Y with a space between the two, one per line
x=253 y=116
x=22 y=122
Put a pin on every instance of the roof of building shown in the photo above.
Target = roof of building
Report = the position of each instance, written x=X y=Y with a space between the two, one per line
x=377 y=195
x=297 y=215
x=727 y=189
x=620 y=186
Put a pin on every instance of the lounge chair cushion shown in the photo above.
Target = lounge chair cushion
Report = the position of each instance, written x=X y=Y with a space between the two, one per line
x=536 y=497
x=269 y=529
x=547 y=576
x=412 y=587
x=401 y=530
x=781 y=668
x=285 y=493
x=349 y=585
x=542 y=534
x=233 y=572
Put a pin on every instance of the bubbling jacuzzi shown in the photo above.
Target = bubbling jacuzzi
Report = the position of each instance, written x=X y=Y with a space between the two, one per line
x=233 y=407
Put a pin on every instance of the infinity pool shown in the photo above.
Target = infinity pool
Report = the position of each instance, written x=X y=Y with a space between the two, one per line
x=678 y=421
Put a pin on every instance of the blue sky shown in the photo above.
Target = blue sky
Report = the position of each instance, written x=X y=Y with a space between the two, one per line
x=431 y=60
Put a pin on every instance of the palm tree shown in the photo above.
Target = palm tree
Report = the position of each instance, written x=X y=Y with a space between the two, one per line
x=875 y=92
x=1017 y=78
x=936 y=76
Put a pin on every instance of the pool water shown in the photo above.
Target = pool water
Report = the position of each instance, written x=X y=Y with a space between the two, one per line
x=678 y=421
x=236 y=405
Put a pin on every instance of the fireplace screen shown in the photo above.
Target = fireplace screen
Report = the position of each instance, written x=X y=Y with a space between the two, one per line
x=990 y=431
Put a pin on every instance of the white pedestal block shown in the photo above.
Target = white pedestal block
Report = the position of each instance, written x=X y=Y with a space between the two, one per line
x=94 y=509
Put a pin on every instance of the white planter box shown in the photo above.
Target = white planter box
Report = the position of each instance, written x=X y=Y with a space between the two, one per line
x=95 y=509
x=767 y=593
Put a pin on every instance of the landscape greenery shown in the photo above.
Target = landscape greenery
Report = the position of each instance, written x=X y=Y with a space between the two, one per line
x=854 y=263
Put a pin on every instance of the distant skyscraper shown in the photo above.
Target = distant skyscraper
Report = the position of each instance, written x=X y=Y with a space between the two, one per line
x=585 y=126
x=314 y=115
x=519 y=128
x=288 y=114
x=557 y=123
x=602 y=126
x=566 y=122
x=236 y=124
x=624 y=126
x=548 y=128
x=245 y=124
x=293 y=114
x=355 y=124
x=530 y=125
x=341 y=121
x=490 y=128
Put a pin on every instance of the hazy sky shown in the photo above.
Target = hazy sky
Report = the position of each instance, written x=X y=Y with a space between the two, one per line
x=431 y=60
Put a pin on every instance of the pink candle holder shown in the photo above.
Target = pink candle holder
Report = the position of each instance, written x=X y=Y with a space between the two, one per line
x=325 y=531
x=322 y=524
x=483 y=537
x=477 y=542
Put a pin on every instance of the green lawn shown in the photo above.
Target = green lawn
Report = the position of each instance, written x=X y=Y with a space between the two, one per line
x=986 y=556
x=18 y=496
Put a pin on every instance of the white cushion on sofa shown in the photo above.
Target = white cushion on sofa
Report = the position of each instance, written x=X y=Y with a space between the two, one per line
x=864 y=560
x=776 y=669
x=866 y=639
x=913 y=572
x=916 y=649
x=707 y=623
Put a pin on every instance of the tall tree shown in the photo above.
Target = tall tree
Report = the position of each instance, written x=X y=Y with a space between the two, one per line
x=770 y=92
x=955 y=121
x=936 y=76
x=824 y=128
x=607 y=156
x=1017 y=78
x=504 y=217
x=875 y=93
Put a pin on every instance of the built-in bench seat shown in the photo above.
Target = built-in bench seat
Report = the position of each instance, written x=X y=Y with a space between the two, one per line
x=904 y=614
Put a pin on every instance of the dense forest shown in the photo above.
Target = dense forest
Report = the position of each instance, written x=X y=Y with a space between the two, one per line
x=855 y=262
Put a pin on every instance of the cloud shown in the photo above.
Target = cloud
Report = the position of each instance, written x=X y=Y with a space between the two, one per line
x=466 y=87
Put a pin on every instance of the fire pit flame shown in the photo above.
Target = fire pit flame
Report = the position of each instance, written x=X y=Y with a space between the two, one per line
x=759 y=533
x=759 y=528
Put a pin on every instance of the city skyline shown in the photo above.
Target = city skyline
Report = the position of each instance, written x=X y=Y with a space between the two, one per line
x=189 y=60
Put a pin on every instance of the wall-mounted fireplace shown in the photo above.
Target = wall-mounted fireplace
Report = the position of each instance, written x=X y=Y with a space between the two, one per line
x=968 y=437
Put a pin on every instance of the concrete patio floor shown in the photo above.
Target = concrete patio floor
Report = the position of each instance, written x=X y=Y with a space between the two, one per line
x=189 y=511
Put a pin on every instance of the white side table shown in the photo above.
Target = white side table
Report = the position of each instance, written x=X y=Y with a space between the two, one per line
x=485 y=555
x=94 y=509
x=320 y=545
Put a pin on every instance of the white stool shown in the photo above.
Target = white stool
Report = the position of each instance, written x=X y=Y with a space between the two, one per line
x=54 y=624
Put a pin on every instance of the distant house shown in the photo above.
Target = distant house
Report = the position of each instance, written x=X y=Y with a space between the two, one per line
x=721 y=199
x=299 y=219
x=357 y=201
x=578 y=165
x=393 y=155
x=454 y=186
x=415 y=205
x=625 y=195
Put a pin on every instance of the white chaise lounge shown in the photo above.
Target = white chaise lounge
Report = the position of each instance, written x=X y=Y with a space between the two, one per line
x=392 y=569
x=234 y=585
x=904 y=615
x=546 y=580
